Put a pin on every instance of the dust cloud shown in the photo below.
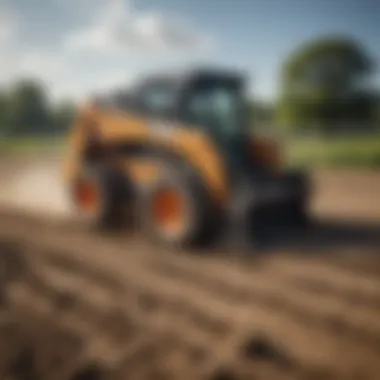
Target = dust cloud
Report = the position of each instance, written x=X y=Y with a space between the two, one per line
x=34 y=185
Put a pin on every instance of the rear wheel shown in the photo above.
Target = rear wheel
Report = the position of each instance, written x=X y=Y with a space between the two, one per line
x=101 y=196
x=169 y=210
x=177 y=210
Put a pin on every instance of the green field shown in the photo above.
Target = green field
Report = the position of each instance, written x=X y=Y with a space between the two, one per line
x=363 y=151
x=31 y=145
x=359 y=151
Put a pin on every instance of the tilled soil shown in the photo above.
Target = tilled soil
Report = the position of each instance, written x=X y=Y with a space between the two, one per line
x=79 y=305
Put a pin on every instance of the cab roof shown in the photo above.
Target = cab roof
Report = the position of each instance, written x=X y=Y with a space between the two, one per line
x=182 y=77
x=178 y=79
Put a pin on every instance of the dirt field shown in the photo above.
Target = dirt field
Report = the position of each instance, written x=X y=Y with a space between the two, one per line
x=83 y=306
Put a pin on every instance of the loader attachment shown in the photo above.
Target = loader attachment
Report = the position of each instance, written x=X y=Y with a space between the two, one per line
x=77 y=142
x=258 y=212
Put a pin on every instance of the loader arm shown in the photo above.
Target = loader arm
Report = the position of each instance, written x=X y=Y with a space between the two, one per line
x=76 y=144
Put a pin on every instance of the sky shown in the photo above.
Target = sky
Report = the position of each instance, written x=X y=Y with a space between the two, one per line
x=83 y=46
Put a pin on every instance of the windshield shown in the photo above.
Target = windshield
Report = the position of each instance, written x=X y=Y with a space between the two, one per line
x=218 y=109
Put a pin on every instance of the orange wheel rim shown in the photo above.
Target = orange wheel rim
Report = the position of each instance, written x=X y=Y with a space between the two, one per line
x=168 y=210
x=87 y=196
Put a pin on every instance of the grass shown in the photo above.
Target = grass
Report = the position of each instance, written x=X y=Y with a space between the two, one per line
x=21 y=145
x=358 y=151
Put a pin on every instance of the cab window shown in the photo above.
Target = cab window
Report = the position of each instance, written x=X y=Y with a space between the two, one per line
x=157 y=101
x=216 y=108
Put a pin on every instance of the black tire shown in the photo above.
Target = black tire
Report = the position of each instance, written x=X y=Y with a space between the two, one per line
x=115 y=192
x=302 y=216
x=299 y=207
x=202 y=223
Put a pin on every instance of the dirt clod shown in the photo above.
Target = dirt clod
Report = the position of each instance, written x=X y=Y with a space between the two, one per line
x=223 y=374
x=261 y=348
x=91 y=371
x=77 y=307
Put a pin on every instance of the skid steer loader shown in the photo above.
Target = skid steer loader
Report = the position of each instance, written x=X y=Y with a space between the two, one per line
x=177 y=153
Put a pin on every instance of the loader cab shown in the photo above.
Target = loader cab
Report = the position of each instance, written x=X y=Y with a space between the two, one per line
x=207 y=100
x=214 y=102
x=156 y=98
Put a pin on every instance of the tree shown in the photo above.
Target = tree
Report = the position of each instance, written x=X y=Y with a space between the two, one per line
x=260 y=113
x=4 y=114
x=64 y=114
x=322 y=80
x=29 y=108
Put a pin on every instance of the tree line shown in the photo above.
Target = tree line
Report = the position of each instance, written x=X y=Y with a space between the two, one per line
x=325 y=86
x=26 y=110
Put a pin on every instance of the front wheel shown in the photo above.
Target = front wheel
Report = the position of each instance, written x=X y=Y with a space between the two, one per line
x=177 y=211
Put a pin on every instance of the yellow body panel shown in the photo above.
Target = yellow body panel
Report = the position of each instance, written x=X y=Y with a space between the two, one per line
x=77 y=140
x=115 y=127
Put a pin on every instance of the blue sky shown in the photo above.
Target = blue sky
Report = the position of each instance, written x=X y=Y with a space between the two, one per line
x=81 y=46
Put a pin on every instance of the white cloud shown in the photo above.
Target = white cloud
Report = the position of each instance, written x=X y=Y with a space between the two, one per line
x=8 y=26
x=35 y=63
x=80 y=62
x=18 y=60
x=39 y=65
x=120 y=27
x=8 y=33
x=92 y=83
